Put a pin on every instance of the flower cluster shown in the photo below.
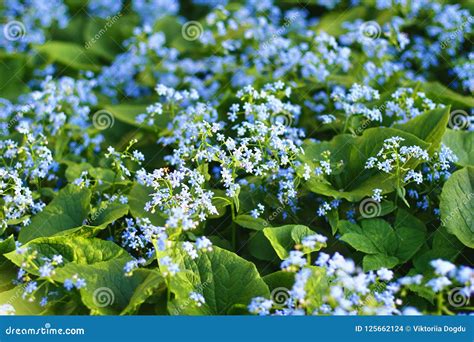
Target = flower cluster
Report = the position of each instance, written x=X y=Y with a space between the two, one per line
x=394 y=158
x=27 y=21
x=241 y=130
x=407 y=103
x=351 y=103
x=23 y=168
x=180 y=195
x=58 y=106
x=347 y=290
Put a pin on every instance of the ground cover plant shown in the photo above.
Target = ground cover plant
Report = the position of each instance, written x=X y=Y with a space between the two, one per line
x=236 y=157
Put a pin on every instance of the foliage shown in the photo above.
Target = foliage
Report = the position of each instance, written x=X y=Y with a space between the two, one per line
x=236 y=157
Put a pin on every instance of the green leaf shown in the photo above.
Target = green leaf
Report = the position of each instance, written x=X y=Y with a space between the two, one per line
x=333 y=219
x=103 y=37
x=12 y=76
x=7 y=245
x=457 y=205
x=346 y=227
x=259 y=247
x=429 y=126
x=439 y=93
x=78 y=250
x=462 y=144
x=423 y=291
x=331 y=23
x=360 y=243
x=224 y=279
x=138 y=196
x=251 y=222
x=70 y=55
x=67 y=210
x=411 y=233
x=108 y=290
x=354 y=182
x=7 y=269
x=316 y=288
x=127 y=113
x=110 y=213
x=99 y=220
x=280 y=279
x=100 y=263
x=381 y=235
x=284 y=238
x=14 y=297
x=152 y=284
x=444 y=246
x=377 y=261
x=373 y=236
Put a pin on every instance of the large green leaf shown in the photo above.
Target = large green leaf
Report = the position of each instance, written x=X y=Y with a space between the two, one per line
x=138 y=196
x=78 y=250
x=284 y=238
x=353 y=182
x=457 y=205
x=22 y=306
x=70 y=55
x=411 y=233
x=66 y=211
x=99 y=220
x=444 y=246
x=127 y=113
x=153 y=283
x=100 y=263
x=12 y=76
x=429 y=126
x=331 y=23
x=224 y=279
x=377 y=261
x=439 y=93
x=372 y=237
x=385 y=246
x=108 y=290
x=6 y=246
x=360 y=243
x=280 y=279
x=462 y=144
x=251 y=222
x=104 y=37
x=7 y=269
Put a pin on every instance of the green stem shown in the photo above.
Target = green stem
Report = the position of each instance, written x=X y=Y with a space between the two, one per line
x=168 y=288
x=234 y=228
x=440 y=303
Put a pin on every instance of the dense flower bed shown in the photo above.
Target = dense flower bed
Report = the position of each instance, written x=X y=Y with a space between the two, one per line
x=236 y=157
